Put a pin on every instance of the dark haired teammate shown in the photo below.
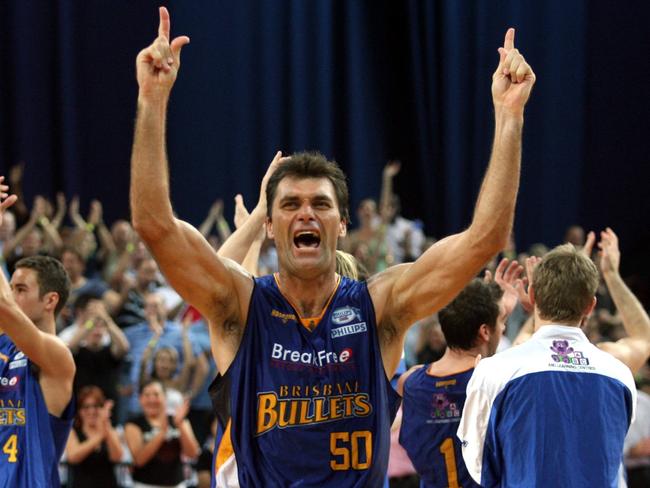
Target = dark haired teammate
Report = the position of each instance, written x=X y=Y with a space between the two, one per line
x=309 y=352
x=434 y=394
x=36 y=371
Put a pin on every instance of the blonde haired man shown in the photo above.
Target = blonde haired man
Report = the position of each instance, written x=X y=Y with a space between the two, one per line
x=554 y=410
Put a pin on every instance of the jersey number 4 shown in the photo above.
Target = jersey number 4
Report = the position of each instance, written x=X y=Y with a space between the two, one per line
x=447 y=450
x=351 y=450
x=11 y=448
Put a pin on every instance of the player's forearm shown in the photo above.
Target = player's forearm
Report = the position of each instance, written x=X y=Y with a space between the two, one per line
x=635 y=319
x=237 y=245
x=495 y=206
x=151 y=209
x=251 y=261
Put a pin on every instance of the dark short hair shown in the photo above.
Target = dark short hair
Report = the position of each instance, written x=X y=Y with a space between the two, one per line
x=476 y=304
x=82 y=301
x=51 y=276
x=73 y=250
x=148 y=382
x=311 y=165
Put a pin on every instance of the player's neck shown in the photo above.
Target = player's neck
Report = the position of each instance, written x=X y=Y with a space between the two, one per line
x=454 y=361
x=540 y=322
x=47 y=325
x=309 y=296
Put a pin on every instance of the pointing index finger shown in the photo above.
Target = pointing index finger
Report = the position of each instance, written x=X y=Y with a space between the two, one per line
x=509 y=41
x=165 y=23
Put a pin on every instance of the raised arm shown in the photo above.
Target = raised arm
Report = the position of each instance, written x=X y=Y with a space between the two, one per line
x=45 y=350
x=633 y=350
x=237 y=246
x=444 y=269
x=220 y=291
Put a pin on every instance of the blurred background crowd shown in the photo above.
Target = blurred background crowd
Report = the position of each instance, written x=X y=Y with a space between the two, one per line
x=143 y=354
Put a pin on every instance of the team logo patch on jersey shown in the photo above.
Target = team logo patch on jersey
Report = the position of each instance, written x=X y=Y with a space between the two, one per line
x=443 y=410
x=345 y=315
x=285 y=317
x=349 y=329
x=565 y=354
x=20 y=363
x=20 y=355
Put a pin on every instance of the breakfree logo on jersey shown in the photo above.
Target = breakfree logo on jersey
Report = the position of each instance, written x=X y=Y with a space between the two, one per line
x=311 y=358
x=8 y=383
x=345 y=315
x=349 y=329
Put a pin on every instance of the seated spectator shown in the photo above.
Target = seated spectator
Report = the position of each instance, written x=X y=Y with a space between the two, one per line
x=94 y=446
x=158 y=441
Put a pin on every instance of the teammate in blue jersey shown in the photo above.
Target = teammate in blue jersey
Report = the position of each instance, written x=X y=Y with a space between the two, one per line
x=434 y=394
x=309 y=353
x=554 y=410
x=36 y=371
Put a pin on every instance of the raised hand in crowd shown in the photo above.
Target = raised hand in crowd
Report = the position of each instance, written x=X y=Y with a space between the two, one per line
x=507 y=276
x=15 y=179
x=633 y=350
x=61 y=207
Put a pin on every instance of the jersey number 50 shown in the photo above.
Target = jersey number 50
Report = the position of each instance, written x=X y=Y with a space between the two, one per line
x=351 y=450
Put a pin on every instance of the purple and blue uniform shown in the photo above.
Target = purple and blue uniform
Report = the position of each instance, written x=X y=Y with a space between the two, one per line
x=310 y=407
x=31 y=439
x=432 y=407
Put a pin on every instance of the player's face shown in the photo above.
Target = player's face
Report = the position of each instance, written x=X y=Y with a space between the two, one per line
x=152 y=399
x=24 y=285
x=499 y=329
x=306 y=224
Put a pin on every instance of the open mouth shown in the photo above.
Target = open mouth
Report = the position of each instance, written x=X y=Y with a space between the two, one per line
x=306 y=239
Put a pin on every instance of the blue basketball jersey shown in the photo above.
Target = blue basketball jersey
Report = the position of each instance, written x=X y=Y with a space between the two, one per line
x=431 y=411
x=310 y=408
x=31 y=440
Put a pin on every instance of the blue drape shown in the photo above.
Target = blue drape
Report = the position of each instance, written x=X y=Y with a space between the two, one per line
x=362 y=81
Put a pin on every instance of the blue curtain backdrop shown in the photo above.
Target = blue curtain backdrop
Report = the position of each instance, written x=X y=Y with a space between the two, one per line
x=361 y=81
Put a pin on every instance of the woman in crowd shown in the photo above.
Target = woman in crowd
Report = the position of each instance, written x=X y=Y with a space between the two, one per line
x=158 y=441
x=94 y=446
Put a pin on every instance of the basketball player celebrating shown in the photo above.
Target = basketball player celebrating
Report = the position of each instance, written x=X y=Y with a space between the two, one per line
x=36 y=371
x=309 y=352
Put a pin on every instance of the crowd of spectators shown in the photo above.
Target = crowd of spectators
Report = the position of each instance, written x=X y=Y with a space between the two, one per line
x=143 y=356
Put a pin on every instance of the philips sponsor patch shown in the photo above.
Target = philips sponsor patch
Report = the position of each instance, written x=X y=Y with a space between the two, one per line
x=20 y=363
x=349 y=329
x=345 y=315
